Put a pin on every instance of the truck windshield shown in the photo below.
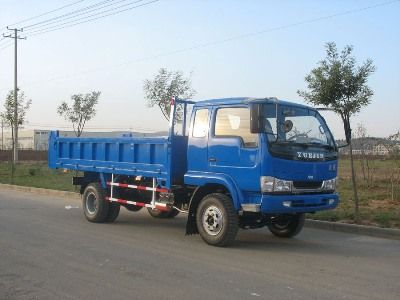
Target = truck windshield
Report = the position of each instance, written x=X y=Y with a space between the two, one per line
x=286 y=124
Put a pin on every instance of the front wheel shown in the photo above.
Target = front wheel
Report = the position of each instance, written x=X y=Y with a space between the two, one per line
x=217 y=220
x=287 y=225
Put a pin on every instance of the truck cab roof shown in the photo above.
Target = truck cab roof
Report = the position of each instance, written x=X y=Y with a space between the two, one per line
x=244 y=100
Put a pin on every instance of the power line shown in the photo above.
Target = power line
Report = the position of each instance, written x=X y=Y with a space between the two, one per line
x=213 y=43
x=3 y=40
x=251 y=34
x=43 y=14
x=74 y=13
x=226 y=40
x=36 y=29
x=86 y=20
x=7 y=46
x=82 y=11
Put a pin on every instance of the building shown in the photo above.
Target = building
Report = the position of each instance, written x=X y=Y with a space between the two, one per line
x=25 y=140
x=37 y=139
x=380 y=149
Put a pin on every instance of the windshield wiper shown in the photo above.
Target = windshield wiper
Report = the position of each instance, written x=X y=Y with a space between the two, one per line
x=284 y=142
x=318 y=145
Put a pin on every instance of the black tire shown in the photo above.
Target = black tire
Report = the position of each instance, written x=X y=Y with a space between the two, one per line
x=287 y=226
x=217 y=220
x=132 y=207
x=132 y=195
x=161 y=214
x=173 y=213
x=113 y=212
x=95 y=206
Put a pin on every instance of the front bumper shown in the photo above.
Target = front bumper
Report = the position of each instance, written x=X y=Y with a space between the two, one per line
x=284 y=204
x=298 y=203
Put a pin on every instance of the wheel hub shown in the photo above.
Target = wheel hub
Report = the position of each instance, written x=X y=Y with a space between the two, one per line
x=212 y=220
x=91 y=203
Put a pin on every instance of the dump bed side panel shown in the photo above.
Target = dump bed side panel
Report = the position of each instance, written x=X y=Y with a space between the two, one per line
x=149 y=157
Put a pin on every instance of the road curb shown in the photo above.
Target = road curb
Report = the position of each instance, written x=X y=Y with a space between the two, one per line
x=388 y=233
x=40 y=191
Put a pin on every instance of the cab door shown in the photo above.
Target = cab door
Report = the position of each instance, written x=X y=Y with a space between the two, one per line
x=232 y=149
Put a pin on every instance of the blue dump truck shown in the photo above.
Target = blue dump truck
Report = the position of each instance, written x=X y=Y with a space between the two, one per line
x=228 y=163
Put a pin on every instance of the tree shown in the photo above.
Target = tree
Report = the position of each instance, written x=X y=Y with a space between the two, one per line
x=361 y=134
x=393 y=147
x=338 y=84
x=164 y=87
x=9 y=105
x=4 y=124
x=81 y=110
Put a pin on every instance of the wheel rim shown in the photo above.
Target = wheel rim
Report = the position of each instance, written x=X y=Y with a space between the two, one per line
x=91 y=203
x=212 y=220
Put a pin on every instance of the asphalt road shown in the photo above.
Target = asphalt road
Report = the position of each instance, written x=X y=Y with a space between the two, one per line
x=48 y=251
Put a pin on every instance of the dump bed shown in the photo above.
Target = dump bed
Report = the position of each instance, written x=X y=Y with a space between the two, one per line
x=163 y=158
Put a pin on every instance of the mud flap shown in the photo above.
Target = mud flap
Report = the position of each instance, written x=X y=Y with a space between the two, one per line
x=191 y=226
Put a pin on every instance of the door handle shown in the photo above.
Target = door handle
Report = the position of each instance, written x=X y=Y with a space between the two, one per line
x=212 y=159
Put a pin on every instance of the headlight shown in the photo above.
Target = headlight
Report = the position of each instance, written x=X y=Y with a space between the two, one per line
x=329 y=185
x=267 y=184
x=271 y=184
x=282 y=185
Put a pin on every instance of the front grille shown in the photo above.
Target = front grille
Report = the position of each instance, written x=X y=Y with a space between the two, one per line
x=307 y=185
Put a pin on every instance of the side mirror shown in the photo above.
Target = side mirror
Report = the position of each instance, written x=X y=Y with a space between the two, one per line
x=256 y=118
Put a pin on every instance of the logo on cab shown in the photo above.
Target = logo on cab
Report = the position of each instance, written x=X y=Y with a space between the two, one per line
x=310 y=155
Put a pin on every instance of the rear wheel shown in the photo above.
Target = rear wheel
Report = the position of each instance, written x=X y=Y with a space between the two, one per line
x=287 y=225
x=95 y=206
x=131 y=195
x=161 y=214
x=217 y=220
x=113 y=212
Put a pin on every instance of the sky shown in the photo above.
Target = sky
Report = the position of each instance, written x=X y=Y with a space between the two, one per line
x=229 y=48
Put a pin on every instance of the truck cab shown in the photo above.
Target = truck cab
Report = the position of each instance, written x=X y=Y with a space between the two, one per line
x=275 y=159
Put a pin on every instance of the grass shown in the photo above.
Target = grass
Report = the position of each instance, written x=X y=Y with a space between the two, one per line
x=378 y=189
x=378 y=192
x=36 y=174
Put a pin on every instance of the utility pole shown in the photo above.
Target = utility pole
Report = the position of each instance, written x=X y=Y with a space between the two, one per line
x=16 y=37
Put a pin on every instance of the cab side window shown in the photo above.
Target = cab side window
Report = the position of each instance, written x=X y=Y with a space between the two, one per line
x=235 y=121
x=200 y=124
